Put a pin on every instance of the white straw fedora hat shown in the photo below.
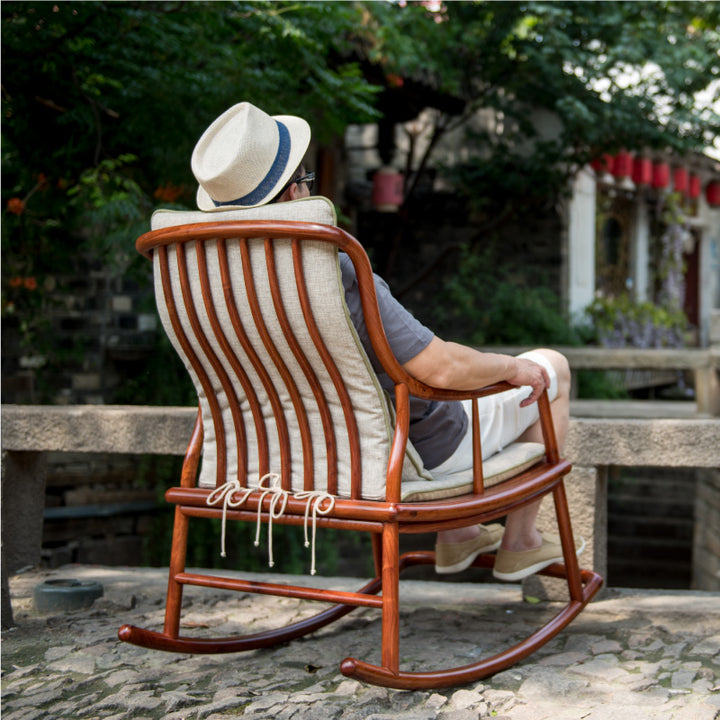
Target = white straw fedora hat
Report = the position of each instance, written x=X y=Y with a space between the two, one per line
x=245 y=157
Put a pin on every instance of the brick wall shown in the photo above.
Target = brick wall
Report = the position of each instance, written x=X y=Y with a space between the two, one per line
x=98 y=325
x=650 y=527
x=101 y=508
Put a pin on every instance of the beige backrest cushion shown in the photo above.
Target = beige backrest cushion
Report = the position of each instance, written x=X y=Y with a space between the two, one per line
x=326 y=292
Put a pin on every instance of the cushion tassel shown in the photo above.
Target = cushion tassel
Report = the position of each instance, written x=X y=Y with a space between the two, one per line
x=225 y=493
x=314 y=498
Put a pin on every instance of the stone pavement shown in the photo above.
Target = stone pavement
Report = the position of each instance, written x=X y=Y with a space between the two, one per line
x=635 y=655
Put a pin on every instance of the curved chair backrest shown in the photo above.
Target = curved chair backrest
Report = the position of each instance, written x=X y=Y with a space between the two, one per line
x=253 y=302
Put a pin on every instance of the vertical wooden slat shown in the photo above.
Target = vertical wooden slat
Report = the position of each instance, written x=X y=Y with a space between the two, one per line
x=190 y=354
x=261 y=327
x=178 y=553
x=258 y=367
x=390 y=651
x=548 y=428
x=399 y=443
x=572 y=568
x=338 y=383
x=377 y=553
x=241 y=441
x=478 y=479
x=188 y=475
x=305 y=367
x=217 y=366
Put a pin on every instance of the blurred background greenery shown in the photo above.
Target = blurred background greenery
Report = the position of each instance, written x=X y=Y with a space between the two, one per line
x=102 y=103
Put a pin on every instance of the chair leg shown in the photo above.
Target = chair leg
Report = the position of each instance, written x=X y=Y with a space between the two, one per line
x=391 y=597
x=567 y=540
x=454 y=676
x=178 y=556
x=582 y=584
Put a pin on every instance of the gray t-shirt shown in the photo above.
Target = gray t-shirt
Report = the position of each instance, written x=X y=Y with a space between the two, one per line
x=436 y=427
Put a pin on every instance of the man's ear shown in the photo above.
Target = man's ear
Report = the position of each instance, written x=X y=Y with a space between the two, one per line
x=293 y=192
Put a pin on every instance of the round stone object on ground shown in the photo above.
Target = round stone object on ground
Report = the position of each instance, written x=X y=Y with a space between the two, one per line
x=65 y=594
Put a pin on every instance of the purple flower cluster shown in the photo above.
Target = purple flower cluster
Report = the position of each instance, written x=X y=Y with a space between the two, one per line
x=672 y=289
x=630 y=332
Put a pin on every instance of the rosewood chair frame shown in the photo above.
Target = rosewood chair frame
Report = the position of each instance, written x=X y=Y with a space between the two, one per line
x=385 y=520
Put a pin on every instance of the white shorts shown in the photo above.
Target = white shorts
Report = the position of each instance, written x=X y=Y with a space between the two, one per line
x=502 y=421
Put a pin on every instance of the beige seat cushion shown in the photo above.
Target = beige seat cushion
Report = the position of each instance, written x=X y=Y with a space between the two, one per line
x=507 y=463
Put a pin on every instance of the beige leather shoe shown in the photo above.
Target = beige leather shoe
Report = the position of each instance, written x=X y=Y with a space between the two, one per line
x=512 y=566
x=455 y=557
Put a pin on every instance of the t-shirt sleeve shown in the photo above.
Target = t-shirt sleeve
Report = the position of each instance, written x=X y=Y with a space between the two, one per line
x=407 y=335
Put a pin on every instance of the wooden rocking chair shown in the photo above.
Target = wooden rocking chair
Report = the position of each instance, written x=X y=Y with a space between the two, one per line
x=293 y=428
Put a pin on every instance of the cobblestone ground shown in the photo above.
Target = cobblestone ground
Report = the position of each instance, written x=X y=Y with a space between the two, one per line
x=631 y=655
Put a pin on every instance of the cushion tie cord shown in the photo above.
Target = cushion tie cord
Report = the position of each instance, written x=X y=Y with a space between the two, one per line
x=225 y=494
x=316 y=499
x=269 y=485
x=278 y=494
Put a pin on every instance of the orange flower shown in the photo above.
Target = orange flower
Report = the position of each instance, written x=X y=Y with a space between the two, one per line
x=16 y=281
x=168 y=192
x=30 y=283
x=16 y=206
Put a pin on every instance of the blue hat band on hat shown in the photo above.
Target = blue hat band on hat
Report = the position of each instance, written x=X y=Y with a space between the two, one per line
x=273 y=175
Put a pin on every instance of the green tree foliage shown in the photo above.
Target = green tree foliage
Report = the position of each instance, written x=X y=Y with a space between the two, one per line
x=85 y=83
x=102 y=102
x=512 y=317
x=564 y=83
x=612 y=74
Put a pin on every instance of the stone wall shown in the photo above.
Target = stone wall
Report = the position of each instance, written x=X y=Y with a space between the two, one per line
x=30 y=433
x=100 y=509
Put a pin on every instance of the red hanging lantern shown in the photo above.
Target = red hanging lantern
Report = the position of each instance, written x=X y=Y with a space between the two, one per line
x=661 y=175
x=680 y=180
x=642 y=173
x=712 y=193
x=604 y=164
x=387 y=192
x=694 y=187
x=623 y=165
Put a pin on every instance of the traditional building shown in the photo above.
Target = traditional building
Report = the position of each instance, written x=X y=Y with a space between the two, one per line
x=635 y=224
x=623 y=210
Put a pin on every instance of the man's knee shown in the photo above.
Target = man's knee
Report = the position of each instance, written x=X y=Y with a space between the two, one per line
x=560 y=365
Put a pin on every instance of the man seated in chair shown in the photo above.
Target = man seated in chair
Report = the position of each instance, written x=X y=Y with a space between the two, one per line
x=247 y=158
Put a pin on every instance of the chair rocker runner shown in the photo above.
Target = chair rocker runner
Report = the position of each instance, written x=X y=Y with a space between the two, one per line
x=293 y=428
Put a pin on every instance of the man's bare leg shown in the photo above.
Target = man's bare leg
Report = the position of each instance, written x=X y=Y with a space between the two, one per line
x=520 y=530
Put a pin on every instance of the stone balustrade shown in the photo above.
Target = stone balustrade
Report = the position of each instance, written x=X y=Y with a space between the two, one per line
x=702 y=363
x=593 y=444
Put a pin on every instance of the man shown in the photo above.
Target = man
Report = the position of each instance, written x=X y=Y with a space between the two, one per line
x=247 y=158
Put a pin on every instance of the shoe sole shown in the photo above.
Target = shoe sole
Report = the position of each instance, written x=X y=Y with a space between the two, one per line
x=532 y=569
x=467 y=562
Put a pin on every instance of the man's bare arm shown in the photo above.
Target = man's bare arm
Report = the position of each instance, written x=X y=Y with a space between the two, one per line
x=458 y=367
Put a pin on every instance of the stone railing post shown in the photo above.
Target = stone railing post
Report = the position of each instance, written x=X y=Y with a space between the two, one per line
x=22 y=516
